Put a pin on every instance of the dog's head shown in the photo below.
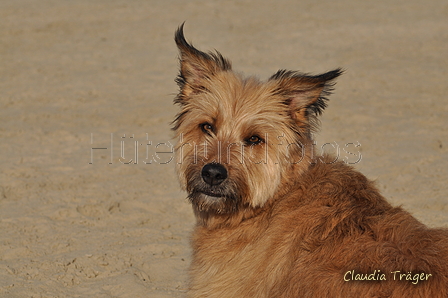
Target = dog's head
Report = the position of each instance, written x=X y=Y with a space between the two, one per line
x=240 y=139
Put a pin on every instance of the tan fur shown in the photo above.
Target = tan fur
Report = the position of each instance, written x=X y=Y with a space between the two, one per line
x=282 y=223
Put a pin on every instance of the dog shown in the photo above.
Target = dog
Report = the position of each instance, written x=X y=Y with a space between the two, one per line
x=273 y=220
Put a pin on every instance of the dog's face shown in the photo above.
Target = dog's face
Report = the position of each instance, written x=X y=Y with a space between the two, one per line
x=239 y=138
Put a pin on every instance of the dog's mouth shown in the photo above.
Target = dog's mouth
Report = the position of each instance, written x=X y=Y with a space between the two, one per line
x=202 y=190
x=220 y=199
x=212 y=193
x=216 y=201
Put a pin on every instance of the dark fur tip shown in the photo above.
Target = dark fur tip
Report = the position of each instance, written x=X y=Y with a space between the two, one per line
x=331 y=75
x=322 y=78
x=327 y=82
x=180 y=38
x=187 y=49
x=184 y=46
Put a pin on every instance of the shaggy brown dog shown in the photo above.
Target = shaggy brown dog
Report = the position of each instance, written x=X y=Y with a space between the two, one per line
x=274 y=221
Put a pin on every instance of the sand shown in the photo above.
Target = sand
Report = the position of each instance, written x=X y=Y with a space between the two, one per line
x=77 y=75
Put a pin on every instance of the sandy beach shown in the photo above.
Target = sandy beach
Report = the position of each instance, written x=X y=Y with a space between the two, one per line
x=90 y=205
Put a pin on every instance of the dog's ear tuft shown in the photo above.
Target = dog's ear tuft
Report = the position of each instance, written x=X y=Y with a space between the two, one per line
x=196 y=66
x=306 y=95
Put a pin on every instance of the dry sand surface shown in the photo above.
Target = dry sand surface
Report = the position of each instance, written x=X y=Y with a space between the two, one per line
x=76 y=75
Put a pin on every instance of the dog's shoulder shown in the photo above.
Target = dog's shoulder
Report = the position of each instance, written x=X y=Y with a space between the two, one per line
x=337 y=183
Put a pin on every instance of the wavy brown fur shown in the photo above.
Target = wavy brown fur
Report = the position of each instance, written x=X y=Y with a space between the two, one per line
x=277 y=228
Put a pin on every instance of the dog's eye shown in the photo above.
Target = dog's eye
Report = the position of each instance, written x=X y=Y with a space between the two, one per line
x=254 y=140
x=206 y=127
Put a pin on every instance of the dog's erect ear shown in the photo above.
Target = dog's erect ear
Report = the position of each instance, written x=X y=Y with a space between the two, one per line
x=196 y=66
x=306 y=95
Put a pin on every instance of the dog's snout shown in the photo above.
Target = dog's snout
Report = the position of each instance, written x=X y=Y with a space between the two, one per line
x=214 y=174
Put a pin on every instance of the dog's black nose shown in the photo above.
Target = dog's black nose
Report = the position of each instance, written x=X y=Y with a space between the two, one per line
x=214 y=174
